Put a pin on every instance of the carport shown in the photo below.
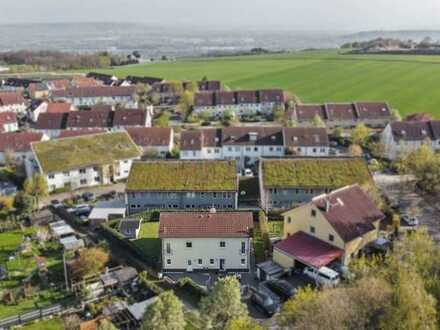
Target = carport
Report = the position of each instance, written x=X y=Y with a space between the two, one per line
x=301 y=250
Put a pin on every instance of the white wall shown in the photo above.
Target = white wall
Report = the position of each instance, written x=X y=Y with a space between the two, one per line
x=205 y=249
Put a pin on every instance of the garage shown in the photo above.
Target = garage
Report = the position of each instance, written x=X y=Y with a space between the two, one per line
x=301 y=250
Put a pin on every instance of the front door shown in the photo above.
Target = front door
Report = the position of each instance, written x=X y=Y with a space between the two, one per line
x=222 y=264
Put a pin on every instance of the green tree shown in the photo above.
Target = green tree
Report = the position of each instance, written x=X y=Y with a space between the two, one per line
x=243 y=324
x=186 y=103
x=355 y=150
x=360 y=135
x=24 y=204
x=166 y=313
x=278 y=114
x=223 y=304
x=143 y=95
x=338 y=133
x=293 y=310
x=162 y=120
x=36 y=186
x=90 y=262
x=395 y=115
x=318 y=122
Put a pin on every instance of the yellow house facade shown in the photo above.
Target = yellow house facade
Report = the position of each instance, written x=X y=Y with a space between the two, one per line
x=345 y=219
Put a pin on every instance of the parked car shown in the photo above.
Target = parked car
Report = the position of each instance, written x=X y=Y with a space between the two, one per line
x=265 y=303
x=343 y=271
x=323 y=276
x=412 y=221
x=88 y=196
x=82 y=210
x=248 y=172
x=56 y=203
x=281 y=288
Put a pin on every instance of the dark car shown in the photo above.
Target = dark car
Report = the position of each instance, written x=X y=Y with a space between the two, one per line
x=281 y=288
x=265 y=303
x=88 y=196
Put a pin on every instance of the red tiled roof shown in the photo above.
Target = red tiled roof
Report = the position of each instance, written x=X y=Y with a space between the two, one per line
x=307 y=112
x=246 y=97
x=271 y=96
x=416 y=130
x=150 y=136
x=80 y=81
x=48 y=120
x=309 y=250
x=305 y=137
x=59 y=84
x=58 y=107
x=129 y=117
x=195 y=140
x=341 y=111
x=205 y=224
x=20 y=142
x=373 y=110
x=10 y=98
x=204 y=99
x=350 y=211
x=84 y=119
x=79 y=132
x=241 y=136
x=209 y=85
x=7 y=118
x=95 y=92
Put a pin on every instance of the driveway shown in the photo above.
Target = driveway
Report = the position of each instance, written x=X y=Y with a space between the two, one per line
x=97 y=191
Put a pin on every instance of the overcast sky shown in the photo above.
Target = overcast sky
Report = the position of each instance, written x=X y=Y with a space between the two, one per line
x=349 y=15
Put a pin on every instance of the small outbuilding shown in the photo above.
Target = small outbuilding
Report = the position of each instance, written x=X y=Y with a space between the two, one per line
x=130 y=228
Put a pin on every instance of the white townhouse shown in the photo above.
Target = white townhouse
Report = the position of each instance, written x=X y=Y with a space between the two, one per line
x=248 y=144
x=50 y=107
x=90 y=96
x=18 y=145
x=401 y=137
x=8 y=122
x=200 y=241
x=84 y=161
x=12 y=102
x=240 y=103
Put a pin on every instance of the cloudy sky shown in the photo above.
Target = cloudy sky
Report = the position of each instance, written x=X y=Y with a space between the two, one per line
x=350 y=15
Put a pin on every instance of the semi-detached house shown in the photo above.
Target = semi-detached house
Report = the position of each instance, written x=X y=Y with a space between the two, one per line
x=84 y=161
x=285 y=183
x=400 y=138
x=12 y=102
x=182 y=185
x=248 y=144
x=201 y=241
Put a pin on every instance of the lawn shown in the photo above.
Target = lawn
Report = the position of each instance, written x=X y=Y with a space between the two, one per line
x=148 y=242
x=52 y=324
x=408 y=83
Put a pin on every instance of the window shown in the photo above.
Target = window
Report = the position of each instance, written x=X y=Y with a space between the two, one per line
x=66 y=173
x=189 y=244
x=270 y=148
x=289 y=220
x=189 y=262
x=313 y=213
x=331 y=238
x=256 y=149
x=83 y=181
x=248 y=149
x=209 y=151
x=168 y=261
x=229 y=148
x=211 y=261
x=82 y=170
x=51 y=176
x=97 y=178
x=243 y=261
x=314 y=150
x=243 y=247
x=312 y=229
x=199 y=261
x=222 y=244
x=168 y=248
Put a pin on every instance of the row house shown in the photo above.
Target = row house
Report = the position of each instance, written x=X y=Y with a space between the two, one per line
x=331 y=227
x=90 y=96
x=12 y=102
x=38 y=90
x=134 y=80
x=240 y=103
x=169 y=92
x=285 y=183
x=8 y=122
x=17 y=145
x=84 y=161
x=402 y=137
x=50 y=107
x=248 y=144
x=54 y=123
x=201 y=241
x=373 y=114
x=182 y=185
x=102 y=78
x=154 y=141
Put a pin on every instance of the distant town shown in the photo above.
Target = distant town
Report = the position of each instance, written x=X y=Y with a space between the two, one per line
x=139 y=202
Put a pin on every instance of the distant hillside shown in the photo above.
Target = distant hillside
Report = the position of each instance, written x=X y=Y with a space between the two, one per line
x=415 y=35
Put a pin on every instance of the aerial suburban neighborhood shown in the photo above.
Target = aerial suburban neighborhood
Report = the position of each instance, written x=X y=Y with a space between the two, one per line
x=146 y=191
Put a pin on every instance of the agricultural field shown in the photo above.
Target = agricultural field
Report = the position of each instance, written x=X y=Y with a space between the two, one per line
x=409 y=83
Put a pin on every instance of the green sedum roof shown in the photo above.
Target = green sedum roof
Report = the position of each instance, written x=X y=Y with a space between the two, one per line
x=183 y=176
x=323 y=172
x=84 y=151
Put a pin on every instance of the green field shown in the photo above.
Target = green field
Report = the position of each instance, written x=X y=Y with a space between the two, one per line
x=408 y=83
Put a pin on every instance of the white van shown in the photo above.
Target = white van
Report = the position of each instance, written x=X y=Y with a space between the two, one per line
x=323 y=276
